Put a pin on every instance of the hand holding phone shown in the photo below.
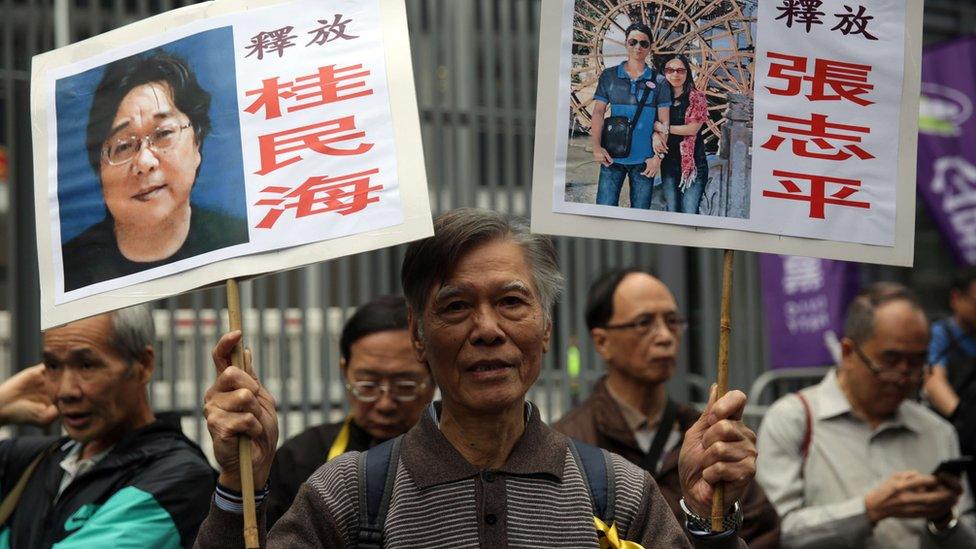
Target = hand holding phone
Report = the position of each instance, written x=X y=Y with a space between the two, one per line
x=955 y=466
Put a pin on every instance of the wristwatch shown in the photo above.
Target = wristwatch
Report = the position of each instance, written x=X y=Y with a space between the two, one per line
x=702 y=525
x=945 y=530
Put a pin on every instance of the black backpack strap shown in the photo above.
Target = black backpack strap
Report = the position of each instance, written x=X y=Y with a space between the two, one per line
x=664 y=429
x=377 y=472
x=643 y=100
x=597 y=472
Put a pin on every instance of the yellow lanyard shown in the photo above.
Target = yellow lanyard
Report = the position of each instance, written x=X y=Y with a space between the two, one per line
x=610 y=539
x=341 y=442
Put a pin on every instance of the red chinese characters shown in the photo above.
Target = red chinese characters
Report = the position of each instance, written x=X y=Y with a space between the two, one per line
x=328 y=97
x=344 y=194
x=814 y=136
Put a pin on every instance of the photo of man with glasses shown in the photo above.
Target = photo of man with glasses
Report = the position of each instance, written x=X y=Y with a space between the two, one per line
x=147 y=125
x=387 y=390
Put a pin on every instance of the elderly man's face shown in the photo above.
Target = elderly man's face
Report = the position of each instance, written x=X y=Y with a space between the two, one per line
x=643 y=354
x=387 y=359
x=484 y=329
x=901 y=338
x=153 y=186
x=96 y=391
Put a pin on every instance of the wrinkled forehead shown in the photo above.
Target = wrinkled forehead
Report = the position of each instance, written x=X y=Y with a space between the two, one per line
x=89 y=337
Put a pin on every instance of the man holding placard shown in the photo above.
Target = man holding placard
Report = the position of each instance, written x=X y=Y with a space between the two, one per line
x=853 y=461
x=480 y=468
x=120 y=475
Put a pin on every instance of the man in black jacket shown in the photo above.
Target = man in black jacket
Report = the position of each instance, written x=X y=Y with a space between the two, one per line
x=387 y=389
x=120 y=474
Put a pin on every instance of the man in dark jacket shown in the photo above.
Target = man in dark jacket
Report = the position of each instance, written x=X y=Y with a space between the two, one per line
x=634 y=323
x=387 y=390
x=120 y=476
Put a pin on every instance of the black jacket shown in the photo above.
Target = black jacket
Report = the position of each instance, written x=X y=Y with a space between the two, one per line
x=94 y=256
x=153 y=489
x=301 y=456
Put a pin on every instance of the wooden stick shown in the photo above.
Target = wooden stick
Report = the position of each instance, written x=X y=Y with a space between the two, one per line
x=722 y=383
x=251 y=539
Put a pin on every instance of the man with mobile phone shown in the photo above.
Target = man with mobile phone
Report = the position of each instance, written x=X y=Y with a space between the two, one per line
x=849 y=462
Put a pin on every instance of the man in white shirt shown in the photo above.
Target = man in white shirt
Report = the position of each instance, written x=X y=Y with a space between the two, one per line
x=848 y=462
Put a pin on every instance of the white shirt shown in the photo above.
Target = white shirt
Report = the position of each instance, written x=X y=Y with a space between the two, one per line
x=823 y=505
x=74 y=466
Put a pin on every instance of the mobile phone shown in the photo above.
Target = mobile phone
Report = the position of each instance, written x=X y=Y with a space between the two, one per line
x=956 y=466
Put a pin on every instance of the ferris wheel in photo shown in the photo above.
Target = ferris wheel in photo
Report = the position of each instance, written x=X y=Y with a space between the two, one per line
x=717 y=36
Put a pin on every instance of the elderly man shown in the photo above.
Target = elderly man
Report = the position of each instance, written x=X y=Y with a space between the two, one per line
x=636 y=328
x=120 y=476
x=149 y=118
x=387 y=390
x=480 y=469
x=850 y=462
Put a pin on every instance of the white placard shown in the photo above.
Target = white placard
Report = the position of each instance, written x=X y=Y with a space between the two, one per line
x=306 y=151
x=729 y=54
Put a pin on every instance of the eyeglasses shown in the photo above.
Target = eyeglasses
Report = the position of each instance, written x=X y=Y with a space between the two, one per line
x=400 y=391
x=886 y=367
x=670 y=70
x=645 y=324
x=643 y=43
x=124 y=149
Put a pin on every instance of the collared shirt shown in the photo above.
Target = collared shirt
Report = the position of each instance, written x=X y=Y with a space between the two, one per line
x=644 y=430
x=538 y=498
x=623 y=93
x=74 y=466
x=821 y=501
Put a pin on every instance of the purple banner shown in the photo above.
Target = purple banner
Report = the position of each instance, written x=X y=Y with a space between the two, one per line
x=947 y=144
x=805 y=299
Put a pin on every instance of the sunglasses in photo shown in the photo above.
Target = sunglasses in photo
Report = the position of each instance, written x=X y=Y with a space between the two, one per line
x=643 y=43
x=671 y=70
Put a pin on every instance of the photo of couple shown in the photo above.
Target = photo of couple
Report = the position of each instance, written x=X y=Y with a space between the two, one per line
x=652 y=85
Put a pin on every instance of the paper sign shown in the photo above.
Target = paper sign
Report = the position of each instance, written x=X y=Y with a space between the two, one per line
x=781 y=126
x=222 y=139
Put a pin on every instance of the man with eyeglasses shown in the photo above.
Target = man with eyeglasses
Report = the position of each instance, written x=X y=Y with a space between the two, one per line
x=850 y=461
x=387 y=389
x=636 y=328
x=146 y=129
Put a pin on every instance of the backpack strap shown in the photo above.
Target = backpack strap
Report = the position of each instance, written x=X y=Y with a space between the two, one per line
x=377 y=472
x=595 y=466
x=10 y=501
x=808 y=430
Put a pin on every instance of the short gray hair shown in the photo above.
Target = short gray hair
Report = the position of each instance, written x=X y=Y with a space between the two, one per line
x=456 y=232
x=132 y=331
x=859 y=324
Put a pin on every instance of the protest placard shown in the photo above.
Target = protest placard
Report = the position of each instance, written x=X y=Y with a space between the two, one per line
x=222 y=140
x=795 y=133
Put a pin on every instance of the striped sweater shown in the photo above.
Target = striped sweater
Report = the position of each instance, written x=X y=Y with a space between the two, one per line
x=537 y=499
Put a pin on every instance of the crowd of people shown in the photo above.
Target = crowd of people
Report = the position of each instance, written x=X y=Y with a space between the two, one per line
x=869 y=457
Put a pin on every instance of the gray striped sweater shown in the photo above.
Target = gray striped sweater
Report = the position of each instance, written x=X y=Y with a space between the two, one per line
x=537 y=499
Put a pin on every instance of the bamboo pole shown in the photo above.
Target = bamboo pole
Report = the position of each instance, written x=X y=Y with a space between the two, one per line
x=722 y=383
x=251 y=539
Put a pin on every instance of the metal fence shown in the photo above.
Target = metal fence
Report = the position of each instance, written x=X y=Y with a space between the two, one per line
x=475 y=71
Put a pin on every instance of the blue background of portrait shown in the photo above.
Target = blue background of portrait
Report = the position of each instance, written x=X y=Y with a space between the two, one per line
x=220 y=184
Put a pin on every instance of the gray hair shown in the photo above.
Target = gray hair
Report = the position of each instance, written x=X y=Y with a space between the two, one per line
x=427 y=262
x=132 y=331
x=859 y=324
